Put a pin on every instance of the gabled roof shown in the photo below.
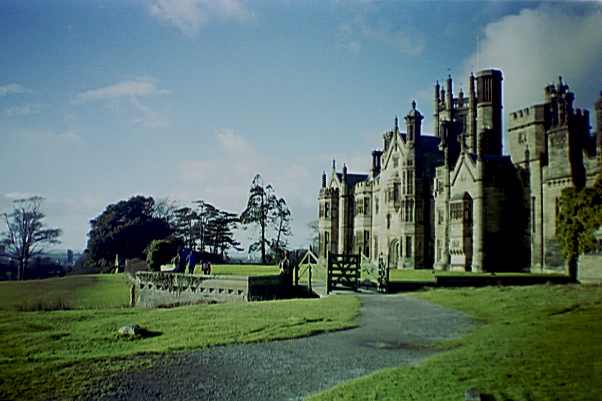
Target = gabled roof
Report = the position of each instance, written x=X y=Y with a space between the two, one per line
x=353 y=179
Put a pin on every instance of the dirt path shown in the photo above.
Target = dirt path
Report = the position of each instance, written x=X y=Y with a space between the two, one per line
x=393 y=330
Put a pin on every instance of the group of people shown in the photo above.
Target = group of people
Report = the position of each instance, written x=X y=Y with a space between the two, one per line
x=187 y=259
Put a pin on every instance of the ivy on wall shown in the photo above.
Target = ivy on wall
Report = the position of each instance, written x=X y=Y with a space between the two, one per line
x=579 y=216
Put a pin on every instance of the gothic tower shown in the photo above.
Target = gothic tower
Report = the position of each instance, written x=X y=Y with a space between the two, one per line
x=489 y=113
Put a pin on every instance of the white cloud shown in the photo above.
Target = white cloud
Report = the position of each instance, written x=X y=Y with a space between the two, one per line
x=224 y=175
x=23 y=110
x=363 y=27
x=226 y=172
x=148 y=117
x=138 y=87
x=129 y=91
x=535 y=46
x=190 y=15
x=12 y=89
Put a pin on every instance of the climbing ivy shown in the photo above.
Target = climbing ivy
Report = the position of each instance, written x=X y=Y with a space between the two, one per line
x=579 y=216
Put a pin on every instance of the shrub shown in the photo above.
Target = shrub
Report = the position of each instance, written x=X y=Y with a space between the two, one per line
x=160 y=252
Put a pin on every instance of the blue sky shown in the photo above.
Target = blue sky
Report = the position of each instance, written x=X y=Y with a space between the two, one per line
x=189 y=99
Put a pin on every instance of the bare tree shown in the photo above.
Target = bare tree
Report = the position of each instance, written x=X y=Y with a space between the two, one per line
x=26 y=234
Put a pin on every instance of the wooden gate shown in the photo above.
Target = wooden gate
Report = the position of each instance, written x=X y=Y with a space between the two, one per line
x=304 y=268
x=343 y=272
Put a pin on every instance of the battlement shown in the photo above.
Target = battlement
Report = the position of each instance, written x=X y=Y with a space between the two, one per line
x=329 y=192
x=526 y=116
x=460 y=104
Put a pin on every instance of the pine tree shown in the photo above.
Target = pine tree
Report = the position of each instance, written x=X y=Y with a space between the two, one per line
x=260 y=206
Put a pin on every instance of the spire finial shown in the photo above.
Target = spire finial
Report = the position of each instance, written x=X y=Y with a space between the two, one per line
x=414 y=104
x=396 y=124
x=334 y=165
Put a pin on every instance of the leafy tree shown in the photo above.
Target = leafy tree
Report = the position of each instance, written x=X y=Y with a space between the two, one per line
x=186 y=226
x=160 y=252
x=579 y=216
x=206 y=212
x=26 y=234
x=220 y=232
x=281 y=220
x=260 y=206
x=125 y=228
x=165 y=209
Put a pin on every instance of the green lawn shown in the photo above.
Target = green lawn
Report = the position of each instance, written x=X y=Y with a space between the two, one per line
x=429 y=275
x=242 y=270
x=533 y=343
x=48 y=355
x=411 y=275
x=72 y=292
x=236 y=270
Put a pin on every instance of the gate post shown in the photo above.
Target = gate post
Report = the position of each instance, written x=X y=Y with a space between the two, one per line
x=328 y=268
x=297 y=275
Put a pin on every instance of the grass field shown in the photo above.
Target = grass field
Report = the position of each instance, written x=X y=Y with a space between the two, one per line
x=55 y=355
x=429 y=275
x=533 y=343
x=236 y=270
x=72 y=292
x=411 y=275
x=242 y=270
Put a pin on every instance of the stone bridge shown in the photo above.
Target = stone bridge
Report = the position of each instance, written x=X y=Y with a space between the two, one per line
x=154 y=289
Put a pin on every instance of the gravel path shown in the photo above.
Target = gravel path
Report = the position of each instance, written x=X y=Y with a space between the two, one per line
x=393 y=330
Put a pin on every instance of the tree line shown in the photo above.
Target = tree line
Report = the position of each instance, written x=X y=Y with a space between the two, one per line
x=127 y=228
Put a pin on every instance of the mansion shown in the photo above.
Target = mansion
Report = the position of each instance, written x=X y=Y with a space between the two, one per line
x=453 y=200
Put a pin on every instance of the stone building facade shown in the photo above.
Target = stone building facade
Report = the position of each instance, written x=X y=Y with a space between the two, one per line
x=453 y=200
x=552 y=148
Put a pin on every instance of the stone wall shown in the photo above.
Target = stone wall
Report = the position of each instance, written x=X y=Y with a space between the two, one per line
x=590 y=269
x=162 y=289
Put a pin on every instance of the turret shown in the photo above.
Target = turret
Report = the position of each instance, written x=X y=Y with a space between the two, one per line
x=449 y=100
x=376 y=154
x=436 y=102
x=472 y=116
x=323 y=179
x=413 y=123
x=489 y=112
